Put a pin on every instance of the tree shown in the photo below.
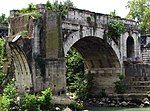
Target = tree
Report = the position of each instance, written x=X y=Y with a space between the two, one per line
x=59 y=6
x=3 y=20
x=2 y=48
x=140 y=11
x=55 y=6
x=75 y=66
x=68 y=3
x=76 y=79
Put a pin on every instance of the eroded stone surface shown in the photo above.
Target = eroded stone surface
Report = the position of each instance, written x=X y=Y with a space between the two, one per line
x=50 y=37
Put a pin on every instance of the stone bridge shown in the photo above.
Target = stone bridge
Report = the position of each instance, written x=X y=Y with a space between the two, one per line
x=39 y=56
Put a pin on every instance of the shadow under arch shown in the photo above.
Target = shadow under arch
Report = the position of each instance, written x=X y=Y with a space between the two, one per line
x=130 y=47
x=101 y=62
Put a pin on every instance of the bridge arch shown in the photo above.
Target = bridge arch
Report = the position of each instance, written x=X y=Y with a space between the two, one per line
x=76 y=36
x=131 y=44
x=22 y=70
x=101 y=61
x=130 y=47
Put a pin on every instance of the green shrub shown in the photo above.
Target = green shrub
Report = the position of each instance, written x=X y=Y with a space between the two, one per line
x=102 y=93
x=81 y=88
x=63 y=8
x=45 y=100
x=76 y=79
x=31 y=8
x=120 y=86
x=115 y=28
x=2 y=48
x=7 y=99
x=76 y=106
x=32 y=102
x=29 y=102
x=5 y=103
x=3 y=20
x=10 y=91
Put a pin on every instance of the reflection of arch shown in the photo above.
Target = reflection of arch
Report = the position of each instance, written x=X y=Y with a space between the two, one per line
x=130 y=47
x=22 y=70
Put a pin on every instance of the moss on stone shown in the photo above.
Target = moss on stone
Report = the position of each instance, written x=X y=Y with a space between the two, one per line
x=23 y=33
x=52 y=44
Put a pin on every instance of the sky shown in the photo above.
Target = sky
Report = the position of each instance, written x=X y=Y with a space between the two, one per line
x=99 y=6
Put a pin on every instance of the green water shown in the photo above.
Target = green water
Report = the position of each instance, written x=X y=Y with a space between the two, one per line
x=119 y=109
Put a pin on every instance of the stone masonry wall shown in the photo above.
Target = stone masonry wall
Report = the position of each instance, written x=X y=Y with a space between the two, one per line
x=53 y=51
x=55 y=61
x=137 y=78
x=103 y=78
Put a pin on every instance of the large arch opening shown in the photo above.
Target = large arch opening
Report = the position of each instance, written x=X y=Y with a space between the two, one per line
x=101 y=64
x=130 y=47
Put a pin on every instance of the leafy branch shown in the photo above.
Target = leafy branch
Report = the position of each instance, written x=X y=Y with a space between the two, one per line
x=56 y=6
x=115 y=29
x=2 y=48
x=3 y=20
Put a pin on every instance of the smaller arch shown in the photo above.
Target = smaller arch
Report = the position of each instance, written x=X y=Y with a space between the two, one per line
x=22 y=70
x=130 y=47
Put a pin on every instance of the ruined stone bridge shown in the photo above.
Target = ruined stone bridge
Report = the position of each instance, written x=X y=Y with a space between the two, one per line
x=39 y=56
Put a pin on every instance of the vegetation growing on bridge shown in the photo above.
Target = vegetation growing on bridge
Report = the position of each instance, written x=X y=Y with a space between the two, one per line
x=60 y=7
x=77 y=81
x=115 y=29
x=31 y=9
x=120 y=86
x=56 y=6
x=10 y=99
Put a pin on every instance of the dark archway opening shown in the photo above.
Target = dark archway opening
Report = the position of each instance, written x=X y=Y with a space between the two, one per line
x=101 y=64
x=130 y=47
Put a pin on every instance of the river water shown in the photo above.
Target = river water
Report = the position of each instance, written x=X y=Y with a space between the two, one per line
x=118 y=109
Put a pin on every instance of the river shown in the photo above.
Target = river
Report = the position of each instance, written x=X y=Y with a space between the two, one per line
x=118 y=109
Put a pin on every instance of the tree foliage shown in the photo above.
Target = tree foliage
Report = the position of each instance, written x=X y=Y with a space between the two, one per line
x=75 y=66
x=76 y=80
x=45 y=100
x=29 y=102
x=140 y=11
x=115 y=28
x=61 y=7
x=2 y=48
x=3 y=20
x=39 y=102
x=26 y=102
x=7 y=99
x=120 y=86
x=31 y=8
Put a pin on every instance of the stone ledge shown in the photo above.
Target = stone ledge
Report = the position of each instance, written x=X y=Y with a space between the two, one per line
x=61 y=100
x=130 y=96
